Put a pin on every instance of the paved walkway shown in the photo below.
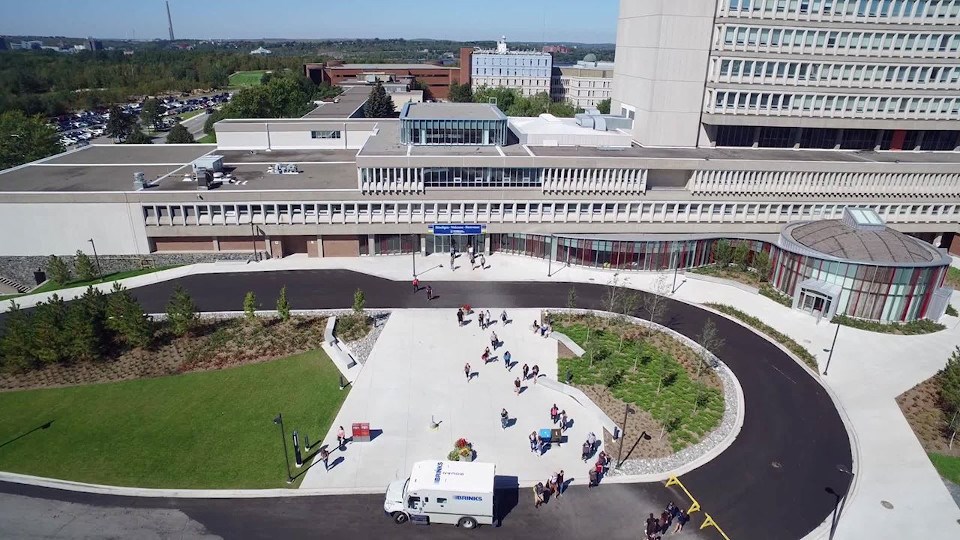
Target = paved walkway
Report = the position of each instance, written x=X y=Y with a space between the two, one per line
x=415 y=374
x=867 y=373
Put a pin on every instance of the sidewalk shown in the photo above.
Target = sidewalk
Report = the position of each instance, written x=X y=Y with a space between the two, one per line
x=415 y=376
x=867 y=372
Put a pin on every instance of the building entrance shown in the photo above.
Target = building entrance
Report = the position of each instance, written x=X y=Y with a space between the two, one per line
x=460 y=242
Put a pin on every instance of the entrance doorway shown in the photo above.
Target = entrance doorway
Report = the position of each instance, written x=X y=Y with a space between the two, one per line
x=814 y=303
x=442 y=244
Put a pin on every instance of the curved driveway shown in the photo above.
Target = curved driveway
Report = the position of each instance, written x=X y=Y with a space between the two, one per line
x=770 y=484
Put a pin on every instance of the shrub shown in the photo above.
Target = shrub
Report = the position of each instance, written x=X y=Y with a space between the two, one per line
x=250 y=306
x=722 y=253
x=85 y=270
x=601 y=354
x=952 y=311
x=359 y=301
x=776 y=296
x=615 y=379
x=181 y=312
x=283 y=306
x=919 y=326
x=454 y=455
x=58 y=271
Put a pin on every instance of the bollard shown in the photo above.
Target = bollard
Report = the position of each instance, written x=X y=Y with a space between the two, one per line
x=342 y=384
x=306 y=442
x=296 y=449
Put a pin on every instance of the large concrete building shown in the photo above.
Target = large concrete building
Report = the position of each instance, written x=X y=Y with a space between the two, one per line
x=844 y=74
x=861 y=232
x=436 y=79
x=528 y=72
x=584 y=84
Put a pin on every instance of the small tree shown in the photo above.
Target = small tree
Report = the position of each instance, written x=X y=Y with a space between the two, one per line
x=138 y=137
x=283 y=306
x=379 y=104
x=150 y=113
x=16 y=339
x=250 y=306
x=49 y=338
x=181 y=311
x=359 y=301
x=711 y=342
x=722 y=253
x=460 y=93
x=83 y=331
x=614 y=292
x=654 y=303
x=85 y=270
x=572 y=298
x=761 y=263
x=950 y=392
x=180 y=135
x=58 y=271
x=126 y=318
x=119 y=125
x=741 y=256
x=604 y=106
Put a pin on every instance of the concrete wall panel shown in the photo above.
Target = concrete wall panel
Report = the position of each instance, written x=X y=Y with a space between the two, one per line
x=62 y=229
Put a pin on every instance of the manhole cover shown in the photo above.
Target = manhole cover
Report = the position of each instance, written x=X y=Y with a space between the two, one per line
x=887 y=504
x=776 y=465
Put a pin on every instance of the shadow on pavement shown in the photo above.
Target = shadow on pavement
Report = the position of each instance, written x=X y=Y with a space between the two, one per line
x=506 y=496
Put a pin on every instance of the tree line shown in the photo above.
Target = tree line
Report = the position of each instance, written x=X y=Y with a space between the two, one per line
x=511 y=102
x=51 y=84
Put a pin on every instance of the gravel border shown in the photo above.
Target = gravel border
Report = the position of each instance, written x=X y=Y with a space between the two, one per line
x=362 y=347
x=710 y=446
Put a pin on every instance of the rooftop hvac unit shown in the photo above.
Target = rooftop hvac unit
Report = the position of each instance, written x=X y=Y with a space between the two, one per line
x=138 y=181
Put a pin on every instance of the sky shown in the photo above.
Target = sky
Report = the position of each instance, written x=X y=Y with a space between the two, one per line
x=593 y=21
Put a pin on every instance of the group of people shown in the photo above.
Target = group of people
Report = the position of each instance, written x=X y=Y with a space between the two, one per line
x=657 y=527
x=324 y=454
x=485 y=319
x=553 y=487
x=544 y=328
x=531 y=373
x=558 y=416
x=473 y=259
x=416 y=288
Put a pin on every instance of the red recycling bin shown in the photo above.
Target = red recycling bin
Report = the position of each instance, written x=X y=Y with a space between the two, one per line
x=361 y=432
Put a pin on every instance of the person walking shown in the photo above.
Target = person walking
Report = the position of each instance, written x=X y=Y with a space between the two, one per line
x=539 y=445
x=526 y=371
x=559 y=477
x=533 y=441
x=324 y=457
x=538 y=495
x=563 y=421
x=460 y=317
x=503 y=316
x=416 y=285
x=453 y=257
x=485 y=356
x=494 y=340
x=504 y=418
x=592 y=440
x=535 y=372
x=429 y=293
x=489 y=318
x=594 y=479
x=480 y=319
x=653 y=526
x=554 y=414
x=516 y=386
x=682 y=518
x=466 y=370
x=483 y=262
x=506 y=359
x=341 y=438
x=536 y=326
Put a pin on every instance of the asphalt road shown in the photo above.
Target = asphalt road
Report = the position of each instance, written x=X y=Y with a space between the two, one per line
x=770 y=484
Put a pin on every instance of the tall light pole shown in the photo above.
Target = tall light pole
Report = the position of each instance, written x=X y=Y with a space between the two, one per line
x=832 y=345
x=279 y=421
x=837 y=506
x=253 y=239
x=676 y=267
x=414 y=253
x=96 y=258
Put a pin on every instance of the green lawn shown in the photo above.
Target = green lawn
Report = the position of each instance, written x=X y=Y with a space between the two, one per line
x=246 y=78
x=200 y=430
x=947 y=466
x=51 y=286
x=953 y=277
x=191 y=114
x=210 y=138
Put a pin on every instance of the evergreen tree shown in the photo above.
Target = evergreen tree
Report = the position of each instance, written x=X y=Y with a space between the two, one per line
x=379 y=104
x=58 y=271
x=119 y=125
x=283 y=306
x=250 y=306
x=741 y=256
x=761 y=262
x=84 y=336
x=150 y=113
x=85 y=270
x=125 y=317
x=180 y=135
x=722 y=253
x=16 y=339
x=359 y=301
x=49 y=338
x=181 y=312
x=138 y=137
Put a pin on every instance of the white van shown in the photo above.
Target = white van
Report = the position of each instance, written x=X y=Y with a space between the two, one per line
x=454 y=492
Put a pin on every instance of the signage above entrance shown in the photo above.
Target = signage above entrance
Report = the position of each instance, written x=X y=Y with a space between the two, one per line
x=456 y=229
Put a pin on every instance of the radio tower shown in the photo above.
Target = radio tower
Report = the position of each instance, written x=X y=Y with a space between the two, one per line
x=170 y=22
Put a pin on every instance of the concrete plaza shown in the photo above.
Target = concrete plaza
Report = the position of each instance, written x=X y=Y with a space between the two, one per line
x=415 y=375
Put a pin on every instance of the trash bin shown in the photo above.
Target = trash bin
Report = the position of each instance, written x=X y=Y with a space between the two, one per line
x=361 y=432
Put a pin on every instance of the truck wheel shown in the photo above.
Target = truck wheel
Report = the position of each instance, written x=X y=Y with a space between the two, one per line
x=467 y=523
x=399 y=518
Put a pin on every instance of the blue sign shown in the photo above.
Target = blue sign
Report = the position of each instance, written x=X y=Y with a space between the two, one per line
x=456 y=229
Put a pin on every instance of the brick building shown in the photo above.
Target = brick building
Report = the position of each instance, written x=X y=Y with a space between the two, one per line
x=437 y=79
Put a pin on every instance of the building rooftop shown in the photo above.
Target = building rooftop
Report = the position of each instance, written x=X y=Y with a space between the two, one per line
x=836 y=239
x=451 y=111
x=390 y=66
x=346 y=105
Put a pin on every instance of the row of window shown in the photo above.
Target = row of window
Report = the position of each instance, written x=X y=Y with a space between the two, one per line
x=511 y=72
x=758 y=39
x=480 y=60
x=325 y=134
x=830 y=138
x=834 y=105
x=527 y=211
x=880 y=75
x=941 y=9
x=457 y=132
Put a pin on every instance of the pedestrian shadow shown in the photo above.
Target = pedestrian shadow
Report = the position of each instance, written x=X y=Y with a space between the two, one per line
x=512 y=365
x=523 y=389
x=474 y=374
x=491 y=359
x=507 y=496
x=466 y=322
x=510 y=422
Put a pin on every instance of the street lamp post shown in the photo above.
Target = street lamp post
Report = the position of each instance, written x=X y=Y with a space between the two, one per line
x=414 y=253
x=279 y=421
x=253 y=240
x=623 y=434
x=832 y=345
x=837 y=506
x=96 y=258
x=676 y=267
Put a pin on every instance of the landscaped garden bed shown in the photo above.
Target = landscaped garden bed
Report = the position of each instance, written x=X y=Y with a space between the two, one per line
x=911 y=328
x=678 y=397
x=925 y=410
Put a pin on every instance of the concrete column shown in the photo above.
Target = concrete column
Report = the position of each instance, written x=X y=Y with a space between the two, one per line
x=423 y=244
x=486 y=244
x=371 y=244
x=216 y=244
